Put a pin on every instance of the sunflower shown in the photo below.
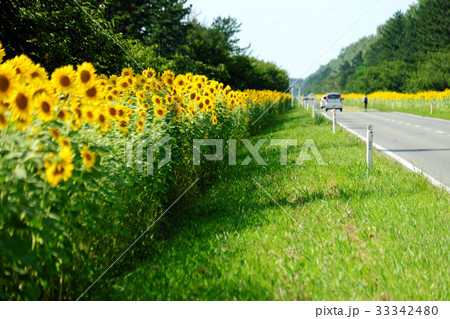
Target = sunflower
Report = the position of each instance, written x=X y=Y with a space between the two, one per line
x=54 y=132
x=112 y=112
x=160 y=111
x=150 y=73
x=89 y=114
x=115 y=92
x=169 y=99
x=86 y=74
x=66 y=169
x=246 y=120
x=63 y=79
x=121 y=112
x=193 y=96
x=201 y=106
x=127 y=72
x=92 y=92
x=148 y=87
x=180 y=81
x=44 y=105
x=22 y=64
x=64 y=142
x=53 y=174
x=157 y=100
x=8 y=81
x=140 y=122
x=3 y=121
x=37 y=72
x=60 y=169
x=214 y=120
x=102 y=119
x=88 y=157
x=140 y=80
x=21 y=104
x=123 y=84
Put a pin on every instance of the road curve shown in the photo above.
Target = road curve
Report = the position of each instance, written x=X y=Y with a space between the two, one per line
x=423 y=142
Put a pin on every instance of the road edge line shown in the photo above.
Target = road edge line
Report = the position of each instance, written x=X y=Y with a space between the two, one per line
x=397 y=158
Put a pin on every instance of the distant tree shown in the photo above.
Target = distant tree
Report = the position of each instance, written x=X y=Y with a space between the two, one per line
x=229 y=27
x=390 y=43
x=57 y=32
x=154 y=22
x=432 y=74
x=208 y=45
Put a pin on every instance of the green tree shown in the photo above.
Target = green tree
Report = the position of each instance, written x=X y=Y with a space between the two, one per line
x=154 y=22
x=432 y=74
x=57 y=32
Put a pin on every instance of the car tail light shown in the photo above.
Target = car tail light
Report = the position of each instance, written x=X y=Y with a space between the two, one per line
x=327 y=98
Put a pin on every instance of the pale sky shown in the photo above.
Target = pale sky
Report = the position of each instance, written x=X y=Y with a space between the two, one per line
x=295 y=33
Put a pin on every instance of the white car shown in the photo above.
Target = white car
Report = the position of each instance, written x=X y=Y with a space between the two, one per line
x=332 y=101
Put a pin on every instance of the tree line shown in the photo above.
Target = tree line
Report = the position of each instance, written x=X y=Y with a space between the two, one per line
x=409 y=53
x=162 y=34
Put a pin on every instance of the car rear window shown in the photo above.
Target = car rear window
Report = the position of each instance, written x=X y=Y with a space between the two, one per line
x=334 y=96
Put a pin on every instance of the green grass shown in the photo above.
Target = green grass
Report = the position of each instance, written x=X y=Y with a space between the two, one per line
x=388 y=229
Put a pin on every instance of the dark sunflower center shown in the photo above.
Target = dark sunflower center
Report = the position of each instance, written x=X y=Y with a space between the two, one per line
x=112 y=111
x=88 y=157
x=4 y=83
x=85 y=76
x=45 y=107
x=64 y=81
x=92 y=92
x=102 y=118
x=21 y=101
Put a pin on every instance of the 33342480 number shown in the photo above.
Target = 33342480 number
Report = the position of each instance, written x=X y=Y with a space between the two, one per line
x=407 y=311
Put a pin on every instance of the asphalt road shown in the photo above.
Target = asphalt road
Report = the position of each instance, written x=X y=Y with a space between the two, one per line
x=422 y=141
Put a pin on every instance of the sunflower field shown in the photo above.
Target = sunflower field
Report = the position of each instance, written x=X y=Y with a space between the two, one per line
x=408 y=102
x=72 y=195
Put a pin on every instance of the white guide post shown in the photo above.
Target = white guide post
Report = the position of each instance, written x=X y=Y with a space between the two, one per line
x=369 y=146
x=334 y=121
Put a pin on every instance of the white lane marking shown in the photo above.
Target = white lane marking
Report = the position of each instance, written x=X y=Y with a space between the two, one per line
x=402 y=161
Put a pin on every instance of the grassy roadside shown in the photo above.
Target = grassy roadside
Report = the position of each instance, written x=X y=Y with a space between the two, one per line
x=388 y=230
